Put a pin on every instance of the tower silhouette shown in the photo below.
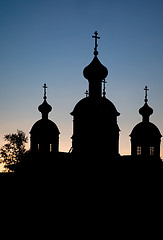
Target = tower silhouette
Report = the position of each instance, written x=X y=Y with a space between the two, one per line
x=145 y=137
x=44 y=133
x=95 y=129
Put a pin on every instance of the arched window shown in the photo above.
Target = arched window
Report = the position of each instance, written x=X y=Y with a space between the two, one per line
x=138 y=150
x=152 y=151
x=51 y=147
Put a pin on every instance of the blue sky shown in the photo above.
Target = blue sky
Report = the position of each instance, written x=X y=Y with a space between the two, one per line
x=47 y=41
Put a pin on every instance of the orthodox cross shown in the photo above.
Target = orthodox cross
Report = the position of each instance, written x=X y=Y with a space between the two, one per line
x=146 y=93
x=96 y=45
x=104 y=89
x=45 y=87
x=86 y=93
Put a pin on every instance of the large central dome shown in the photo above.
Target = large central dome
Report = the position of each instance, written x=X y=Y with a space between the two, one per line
x=101 y=106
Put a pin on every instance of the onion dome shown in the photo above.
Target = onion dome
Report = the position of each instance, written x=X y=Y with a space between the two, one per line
x=95 y=70
x=146 y=111
x=145 y=129
x=44 y=133
x=45 y=108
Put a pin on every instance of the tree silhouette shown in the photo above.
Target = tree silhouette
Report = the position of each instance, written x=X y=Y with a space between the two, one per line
x=13 y=151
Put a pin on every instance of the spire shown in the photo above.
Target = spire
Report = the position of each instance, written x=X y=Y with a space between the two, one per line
x=96 y=45
x=146 y=111
x=45 y=108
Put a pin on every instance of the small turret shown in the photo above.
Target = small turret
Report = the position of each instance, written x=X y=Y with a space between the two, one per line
x=146 y=111
x=145 y=136
x=44 y=133
x=45 y=108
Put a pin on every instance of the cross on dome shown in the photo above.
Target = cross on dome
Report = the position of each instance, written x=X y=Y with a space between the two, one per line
x=96 y=45
x=104 y=89
x=86 y=93
x=45 y=87
x=146 y=111
x=45 y=108
x=95 y=73
x=146 y=93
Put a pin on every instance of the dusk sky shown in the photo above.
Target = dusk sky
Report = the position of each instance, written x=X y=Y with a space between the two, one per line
x=50 y=41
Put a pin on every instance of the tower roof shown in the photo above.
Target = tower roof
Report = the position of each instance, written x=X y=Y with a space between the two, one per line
x=102 y=106
x=146 y=111
x=145 y=129
x=45 y=108
x=95 y=70
x=45 y=128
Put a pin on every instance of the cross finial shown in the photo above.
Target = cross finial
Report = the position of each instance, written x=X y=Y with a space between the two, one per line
x=104 y=89
x=146 y=93
x=96 y=45
x=86 y=93
x=45 y=87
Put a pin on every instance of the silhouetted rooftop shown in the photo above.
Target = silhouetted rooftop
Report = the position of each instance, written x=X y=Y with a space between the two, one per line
x=101 y=105
x=44 y=126
x=145 y=130
x=95 y=70
x=45 y=108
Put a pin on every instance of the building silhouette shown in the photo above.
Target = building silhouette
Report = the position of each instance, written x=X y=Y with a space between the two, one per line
x=95 y=128
x=44 y=133
x=145 y=137
x=95 y=139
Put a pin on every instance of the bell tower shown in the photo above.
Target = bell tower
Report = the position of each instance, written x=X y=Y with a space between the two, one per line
x=145 y=136
x=95 y=128
x=44 y=133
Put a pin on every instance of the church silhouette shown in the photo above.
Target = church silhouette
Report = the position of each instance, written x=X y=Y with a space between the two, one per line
x=95 y=139
x=44 y=133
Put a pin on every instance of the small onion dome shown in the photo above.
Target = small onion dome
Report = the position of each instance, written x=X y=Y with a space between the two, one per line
x=146 y=111
x=95 y=70
x=45 y=108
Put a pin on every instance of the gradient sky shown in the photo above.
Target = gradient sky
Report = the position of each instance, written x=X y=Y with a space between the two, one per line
x=49 y=41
